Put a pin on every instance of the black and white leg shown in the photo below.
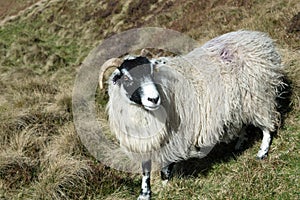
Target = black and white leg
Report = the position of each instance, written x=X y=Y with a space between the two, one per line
x=146 y=189
x=265 y=145
x=242 y=139
x=166 y=173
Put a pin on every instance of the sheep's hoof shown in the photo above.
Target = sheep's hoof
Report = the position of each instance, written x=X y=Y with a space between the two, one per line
x=261 y=156
x=167 y=172
x=165 y=182
x=144 y=197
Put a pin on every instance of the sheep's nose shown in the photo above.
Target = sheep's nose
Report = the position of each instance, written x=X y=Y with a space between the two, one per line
x=153 y=100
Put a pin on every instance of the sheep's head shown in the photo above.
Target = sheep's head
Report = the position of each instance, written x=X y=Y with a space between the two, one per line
x=134 y=76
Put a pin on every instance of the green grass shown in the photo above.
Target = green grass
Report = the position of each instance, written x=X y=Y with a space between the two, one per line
x=42 y=157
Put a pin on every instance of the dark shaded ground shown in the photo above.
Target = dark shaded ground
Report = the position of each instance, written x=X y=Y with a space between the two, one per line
x=294 y=26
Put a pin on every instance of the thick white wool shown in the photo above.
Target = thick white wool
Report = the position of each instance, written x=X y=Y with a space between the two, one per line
x=207 y=96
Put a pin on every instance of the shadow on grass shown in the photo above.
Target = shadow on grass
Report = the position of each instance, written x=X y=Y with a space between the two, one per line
x=107 y=181
x=221 y=153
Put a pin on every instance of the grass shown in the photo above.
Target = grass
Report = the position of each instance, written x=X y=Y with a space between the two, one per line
x=41 y=156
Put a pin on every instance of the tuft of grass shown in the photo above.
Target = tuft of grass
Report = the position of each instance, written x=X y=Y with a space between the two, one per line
x=16 y=170
x=63 y=177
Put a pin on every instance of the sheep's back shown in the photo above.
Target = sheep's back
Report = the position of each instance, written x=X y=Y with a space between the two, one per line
x=245 y=69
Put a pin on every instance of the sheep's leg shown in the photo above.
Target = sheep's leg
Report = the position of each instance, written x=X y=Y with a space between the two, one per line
x=264 y=147
x=146 y=189
x=242 y=139
x=166 y=173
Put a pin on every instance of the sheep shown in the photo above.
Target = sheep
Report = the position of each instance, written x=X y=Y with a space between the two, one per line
x=170 y=109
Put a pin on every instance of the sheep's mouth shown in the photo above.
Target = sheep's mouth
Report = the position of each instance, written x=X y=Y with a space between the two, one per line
x=152 y=108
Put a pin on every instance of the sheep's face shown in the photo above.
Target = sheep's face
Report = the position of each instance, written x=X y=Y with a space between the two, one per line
x=135 y=78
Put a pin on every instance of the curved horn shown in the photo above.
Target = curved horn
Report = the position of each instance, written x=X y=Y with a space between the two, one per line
x=113 y=62
x=145 y=52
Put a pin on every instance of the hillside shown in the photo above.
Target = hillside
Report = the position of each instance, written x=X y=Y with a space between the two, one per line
x=41 y=50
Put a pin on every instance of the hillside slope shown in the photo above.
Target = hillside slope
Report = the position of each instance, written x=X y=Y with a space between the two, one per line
x=41 y=156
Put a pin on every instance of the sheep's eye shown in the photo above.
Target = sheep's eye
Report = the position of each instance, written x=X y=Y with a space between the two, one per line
x=127 y=81
x=126 y=78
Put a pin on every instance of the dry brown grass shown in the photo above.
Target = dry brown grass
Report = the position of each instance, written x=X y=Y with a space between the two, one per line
x=41 y=156
x=12 y=7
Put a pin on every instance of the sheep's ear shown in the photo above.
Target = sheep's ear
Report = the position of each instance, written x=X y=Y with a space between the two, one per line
x=117 y=74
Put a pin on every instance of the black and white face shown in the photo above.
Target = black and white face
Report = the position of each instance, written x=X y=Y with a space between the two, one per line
x=135 y=77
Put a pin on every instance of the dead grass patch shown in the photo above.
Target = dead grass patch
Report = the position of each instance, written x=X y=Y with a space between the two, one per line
x=63 y=177
x=16 y=170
